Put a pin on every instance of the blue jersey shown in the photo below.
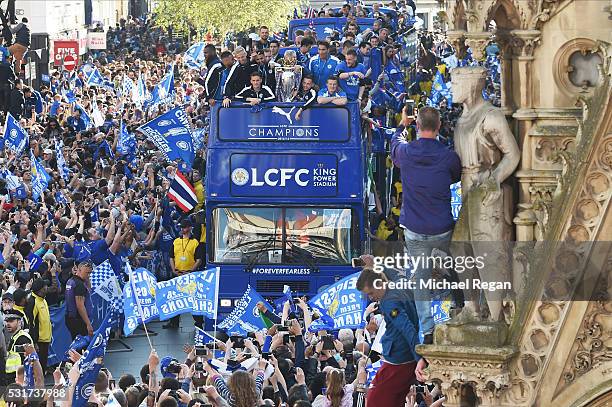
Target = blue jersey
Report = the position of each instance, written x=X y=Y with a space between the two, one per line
x=326 y=94
x=322 y=69
x=351 y=84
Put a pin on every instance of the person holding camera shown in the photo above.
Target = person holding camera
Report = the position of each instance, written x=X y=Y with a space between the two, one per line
x=243 y=389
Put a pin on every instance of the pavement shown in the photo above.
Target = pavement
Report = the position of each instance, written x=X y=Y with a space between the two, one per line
x=167 y=342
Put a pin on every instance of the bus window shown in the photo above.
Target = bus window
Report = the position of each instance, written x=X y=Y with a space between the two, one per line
x=265 y=235
x=247 y=235
x=323 y=234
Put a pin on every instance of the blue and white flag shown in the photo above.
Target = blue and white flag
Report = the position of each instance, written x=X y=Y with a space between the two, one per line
x=440 y=89
x=279 y=303
x=87 y=69
x=456 y=199
x=343 y=302
x=40 y=178
x=127 y=87
x=15 y=137
x=198 y=138
x=35 y=261
x=106 y=293
x=12 y=181
x=194 y=56
x=171 y=134
x=96 y=79
x=163 y=92
x=372 y=369
x=127 y=141
x=245 y=317
x=195 y=293
x=139 y=299
x=201 y=337
x=139 y=92
x=84 y=115
x=68 y=95
x=323 y=323
x=96 y=114
x=440 y=308
x=62 y=166
x=91 y=362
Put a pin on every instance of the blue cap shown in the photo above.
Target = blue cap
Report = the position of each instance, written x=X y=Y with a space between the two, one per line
x=137 y=221
x=163 y=365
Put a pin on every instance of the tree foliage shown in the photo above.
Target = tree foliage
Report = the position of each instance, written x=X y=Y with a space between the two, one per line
x=223 y=16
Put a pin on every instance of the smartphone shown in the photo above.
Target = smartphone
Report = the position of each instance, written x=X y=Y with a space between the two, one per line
x=420 y=388
x=111 y=384
x=285 y=339
x=328 y=342
x=200 y=351
x=357 y=262
x=238 y=341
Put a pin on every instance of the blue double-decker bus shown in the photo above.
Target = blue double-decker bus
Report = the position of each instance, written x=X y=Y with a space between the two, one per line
x=286 y=201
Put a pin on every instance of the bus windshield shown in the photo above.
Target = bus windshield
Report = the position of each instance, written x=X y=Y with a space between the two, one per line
x=288 y=235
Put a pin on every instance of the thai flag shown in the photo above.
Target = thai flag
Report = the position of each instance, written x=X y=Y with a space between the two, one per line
x=310 y=13
x=182 y=192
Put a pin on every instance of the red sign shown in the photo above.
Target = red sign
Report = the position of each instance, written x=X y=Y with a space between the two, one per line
x=69 y=62
x=63 y=48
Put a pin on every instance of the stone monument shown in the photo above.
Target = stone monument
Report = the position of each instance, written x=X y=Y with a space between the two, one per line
x=489 y=155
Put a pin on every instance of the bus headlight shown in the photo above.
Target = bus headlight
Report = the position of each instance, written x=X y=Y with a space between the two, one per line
x=226 y=303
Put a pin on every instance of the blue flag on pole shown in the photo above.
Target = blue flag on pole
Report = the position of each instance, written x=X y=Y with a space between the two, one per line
x=126 y=144
x=60 y=340
x=69 y=95
x=196 y=293
x=279 y=303
x=163 y=92
x=343 y=302
x=106 y=293
x=40 y=178
x=84 y=115
x=96 y=79
x=15 y=138
x=127 y=87
x=194 y=56
x=171 y=134
x=245 y=317
x=139 y=299
x=62 y=166
x=90 y=363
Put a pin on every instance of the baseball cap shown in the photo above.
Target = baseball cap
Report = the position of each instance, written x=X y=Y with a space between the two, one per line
x=7 y=296
x=163 y=365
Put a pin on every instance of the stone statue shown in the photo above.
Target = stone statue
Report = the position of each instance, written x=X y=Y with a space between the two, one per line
x=489 y=155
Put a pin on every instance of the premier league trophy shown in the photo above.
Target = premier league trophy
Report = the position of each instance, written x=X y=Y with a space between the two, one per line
x=288 y=77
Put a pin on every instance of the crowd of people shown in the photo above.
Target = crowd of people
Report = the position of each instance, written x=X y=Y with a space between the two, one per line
x=103 y=202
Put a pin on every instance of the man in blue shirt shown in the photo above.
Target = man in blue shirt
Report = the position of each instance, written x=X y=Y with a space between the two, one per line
x=323 y=65
x=351 y=74
x=402 y=365
x=427 y=168
x=303 y=54
x=332 y=93
x=75 y=122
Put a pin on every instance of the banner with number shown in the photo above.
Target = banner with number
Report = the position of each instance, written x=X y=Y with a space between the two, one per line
x=343 y=302
x=194 y=293
x=139 y=296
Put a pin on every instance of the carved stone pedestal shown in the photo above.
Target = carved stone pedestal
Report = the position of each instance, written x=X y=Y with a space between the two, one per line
x=466 y=372
x=487 y=334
